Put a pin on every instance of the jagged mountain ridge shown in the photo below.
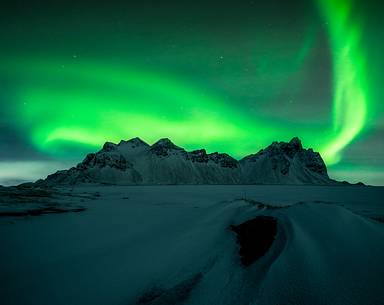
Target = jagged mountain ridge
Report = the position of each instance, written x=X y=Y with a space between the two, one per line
x=135 y=162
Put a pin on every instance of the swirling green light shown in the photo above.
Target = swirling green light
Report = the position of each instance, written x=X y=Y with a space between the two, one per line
x=68 y=103
x=90 y=103
x=350 y=89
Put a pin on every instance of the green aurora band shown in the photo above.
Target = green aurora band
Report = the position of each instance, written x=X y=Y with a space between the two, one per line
x=71 y=103
x=350 y=97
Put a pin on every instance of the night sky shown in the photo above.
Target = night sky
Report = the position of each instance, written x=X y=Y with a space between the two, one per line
x=228 y=76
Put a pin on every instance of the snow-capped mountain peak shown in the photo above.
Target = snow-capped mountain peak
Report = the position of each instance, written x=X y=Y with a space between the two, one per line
x=134 y=142
x=136 y=162
x=296 y=143
x=286 y=163
x=164 y=146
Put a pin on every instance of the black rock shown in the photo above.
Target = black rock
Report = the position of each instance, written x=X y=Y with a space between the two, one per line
x=255 y=237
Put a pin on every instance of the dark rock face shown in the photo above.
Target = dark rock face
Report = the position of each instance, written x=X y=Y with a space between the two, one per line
x=136 y=162
x=198 y=156
x=101 y=160
x=133 y=143
x=255 y=237
x=281 y=163
x=163 y=147
x=73 y=175
x=289 y=149
x=108 y=146
x=223 y=159
x=313 y=161
x=285 y=162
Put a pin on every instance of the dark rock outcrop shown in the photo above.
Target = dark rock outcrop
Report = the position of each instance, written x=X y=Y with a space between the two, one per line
x=136 y=162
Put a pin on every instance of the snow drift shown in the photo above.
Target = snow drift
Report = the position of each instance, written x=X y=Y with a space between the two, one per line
x=173 y=245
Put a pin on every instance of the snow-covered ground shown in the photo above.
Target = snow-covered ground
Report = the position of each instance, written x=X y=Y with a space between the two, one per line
x=173 y=245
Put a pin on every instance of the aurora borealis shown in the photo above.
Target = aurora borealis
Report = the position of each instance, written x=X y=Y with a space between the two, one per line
x=349 y=101
x=223 y=75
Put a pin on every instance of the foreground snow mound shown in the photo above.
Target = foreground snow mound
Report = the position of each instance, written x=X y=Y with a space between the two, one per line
x=199 y=245
x=135 y=162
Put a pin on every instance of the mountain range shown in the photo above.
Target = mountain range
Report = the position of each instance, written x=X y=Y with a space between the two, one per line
x=135 y=162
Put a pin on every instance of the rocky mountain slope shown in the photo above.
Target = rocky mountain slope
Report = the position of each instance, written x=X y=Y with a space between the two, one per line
x=135 y=162
x=285 y=163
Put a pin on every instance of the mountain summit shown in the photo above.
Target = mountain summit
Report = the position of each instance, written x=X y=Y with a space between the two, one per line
x=285 y=163
x=135 y=162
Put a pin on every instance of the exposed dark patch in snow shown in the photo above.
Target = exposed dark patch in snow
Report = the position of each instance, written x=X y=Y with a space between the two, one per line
x=171 y=296
x=25 y=194
x=23 y=200
x=255 y=237
x=378 y=218
x=40 y=211
x=33 y=194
